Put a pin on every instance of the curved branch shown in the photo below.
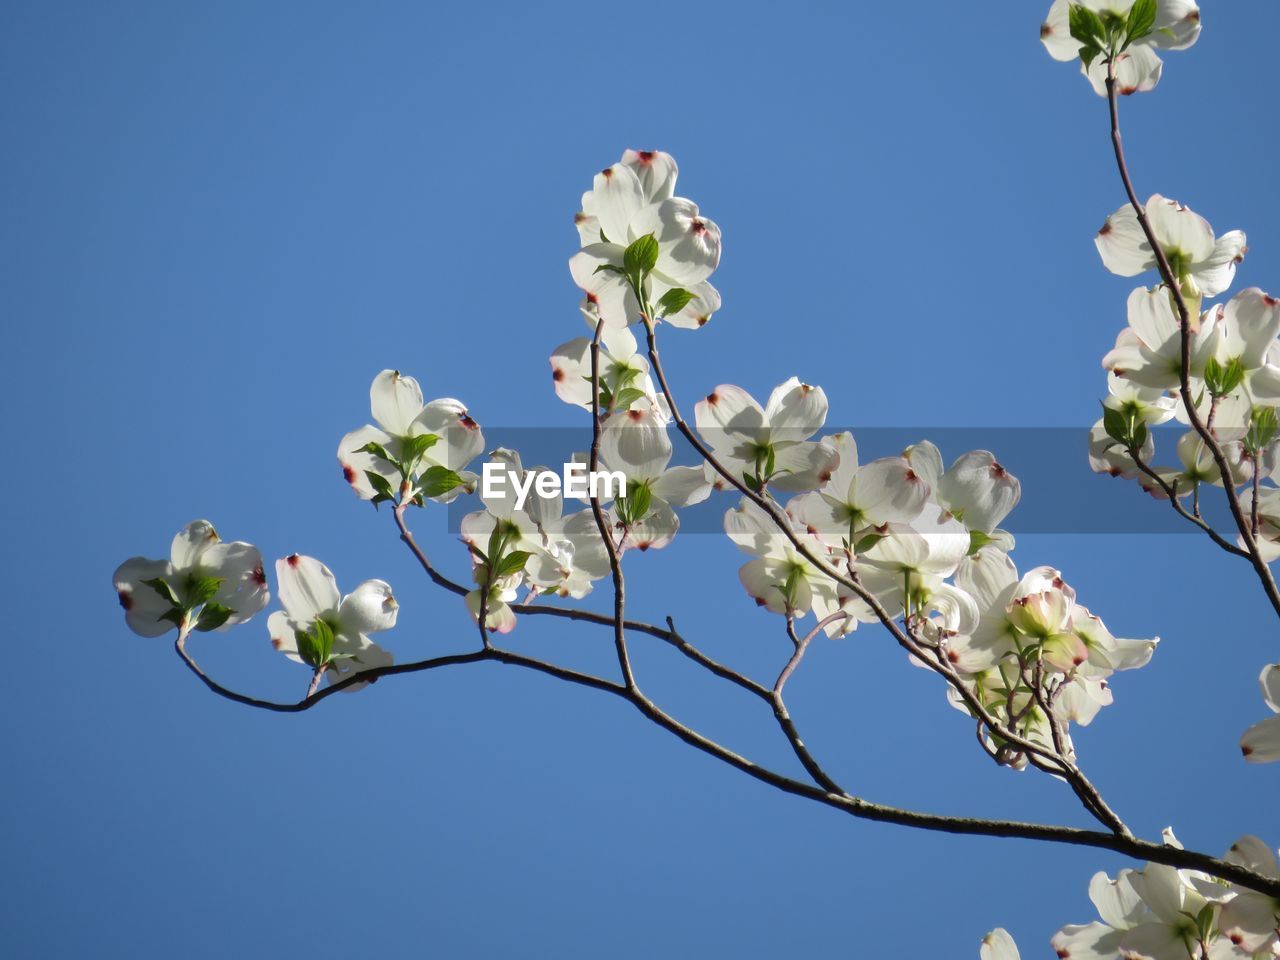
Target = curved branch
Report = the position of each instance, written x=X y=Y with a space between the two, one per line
x=905 y=639
x=1242 y=522
x=854 y=806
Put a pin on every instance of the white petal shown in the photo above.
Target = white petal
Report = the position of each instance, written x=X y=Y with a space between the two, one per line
x=727 y=415
x=656 y=171
x=998 y=945
x=369 y=608
x=307 y=588
x=571 y=371
x=889 y=491
x=1092 y=941
x=979 y=490
x=636 y=443
x=926 y=461
x=283 y=634
x=1251 y=320
x=688 y=243
x=1055 y=33
x=143 y=605
x=610 y=294
x=802 y=466
x=244 y=583
x=1261 y=742
x=988 y=576
x=356 y=463
x=616 y=197
x=1122 y=244
x=696 y=313
x=1179 y=229
x=461 y=439
x=1270 y=682
x=1215 y=273
x=1137 y=71
x=795 y=411
x=396 y=401
x=190 y=544
x=682 y=486
x=1177 y=24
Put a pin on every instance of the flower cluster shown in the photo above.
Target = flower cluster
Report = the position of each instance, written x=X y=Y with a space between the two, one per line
x=632 y=201
x=1126 y=32
x=208 y=584
x=926 y=544
x=1161 y=913
x=1231 y=352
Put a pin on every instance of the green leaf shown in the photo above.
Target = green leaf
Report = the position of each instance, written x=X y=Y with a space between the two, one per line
x=641 y=257
x=212 y=617
x=315 y=646
x=1141 y=20
x=673 y=301
x=626 y=397
x=377 y=449
x=1262 y=428
x=201 y=590
x=1116 y=424
x=1222 y=380
x=978 y=540
x=174 y=615
x=867 y=542
x=162 y=587
x=770 y=462
x=415 y=447
x=1086 y=26
x=1088 y=54
x=609 y=268
x=381 y=485
x=437 y=481
x=513 y=562
x=635 y=505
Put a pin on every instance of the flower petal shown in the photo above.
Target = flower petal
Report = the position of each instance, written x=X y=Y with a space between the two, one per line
x=396 y=401
x=307 y=588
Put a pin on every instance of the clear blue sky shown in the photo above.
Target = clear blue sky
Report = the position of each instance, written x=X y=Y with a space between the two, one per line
x=221 y=220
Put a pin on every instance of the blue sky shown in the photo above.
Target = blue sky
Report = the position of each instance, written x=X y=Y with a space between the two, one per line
x=222 y=220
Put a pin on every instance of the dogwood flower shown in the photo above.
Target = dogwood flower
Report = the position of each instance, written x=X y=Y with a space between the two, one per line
x=624 y=373
x=325 y=630
x=779 y=578
x=1148 y=352
x=1137 y=68
x=1204 y=264
x=1251 y=920
x=630 y=200
x=418 y=450
x=1261 y=742
x=205 y=584
x=769 y=446
x=855 y=497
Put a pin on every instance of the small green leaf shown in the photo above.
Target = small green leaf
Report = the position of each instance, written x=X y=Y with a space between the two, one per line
x=377 y=449
x=162 y=587
x=1141 y=20
x=437 y=481
x=212 y=617
x=626 y=397
x=513 y=562
x=1088 y=54
x=201 y=590
x=867 y=542
x=641 y=257
x=673 y=301
x=415 y=447
x=381 y=485
x=1262 y=428
x=1116 y=424
x=609 y=268
x=978 y=540
x=315 y=646
x=1223 y=380
x=770 y=462
x=175 y=616
x=1086 y=26
x=635 y=505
